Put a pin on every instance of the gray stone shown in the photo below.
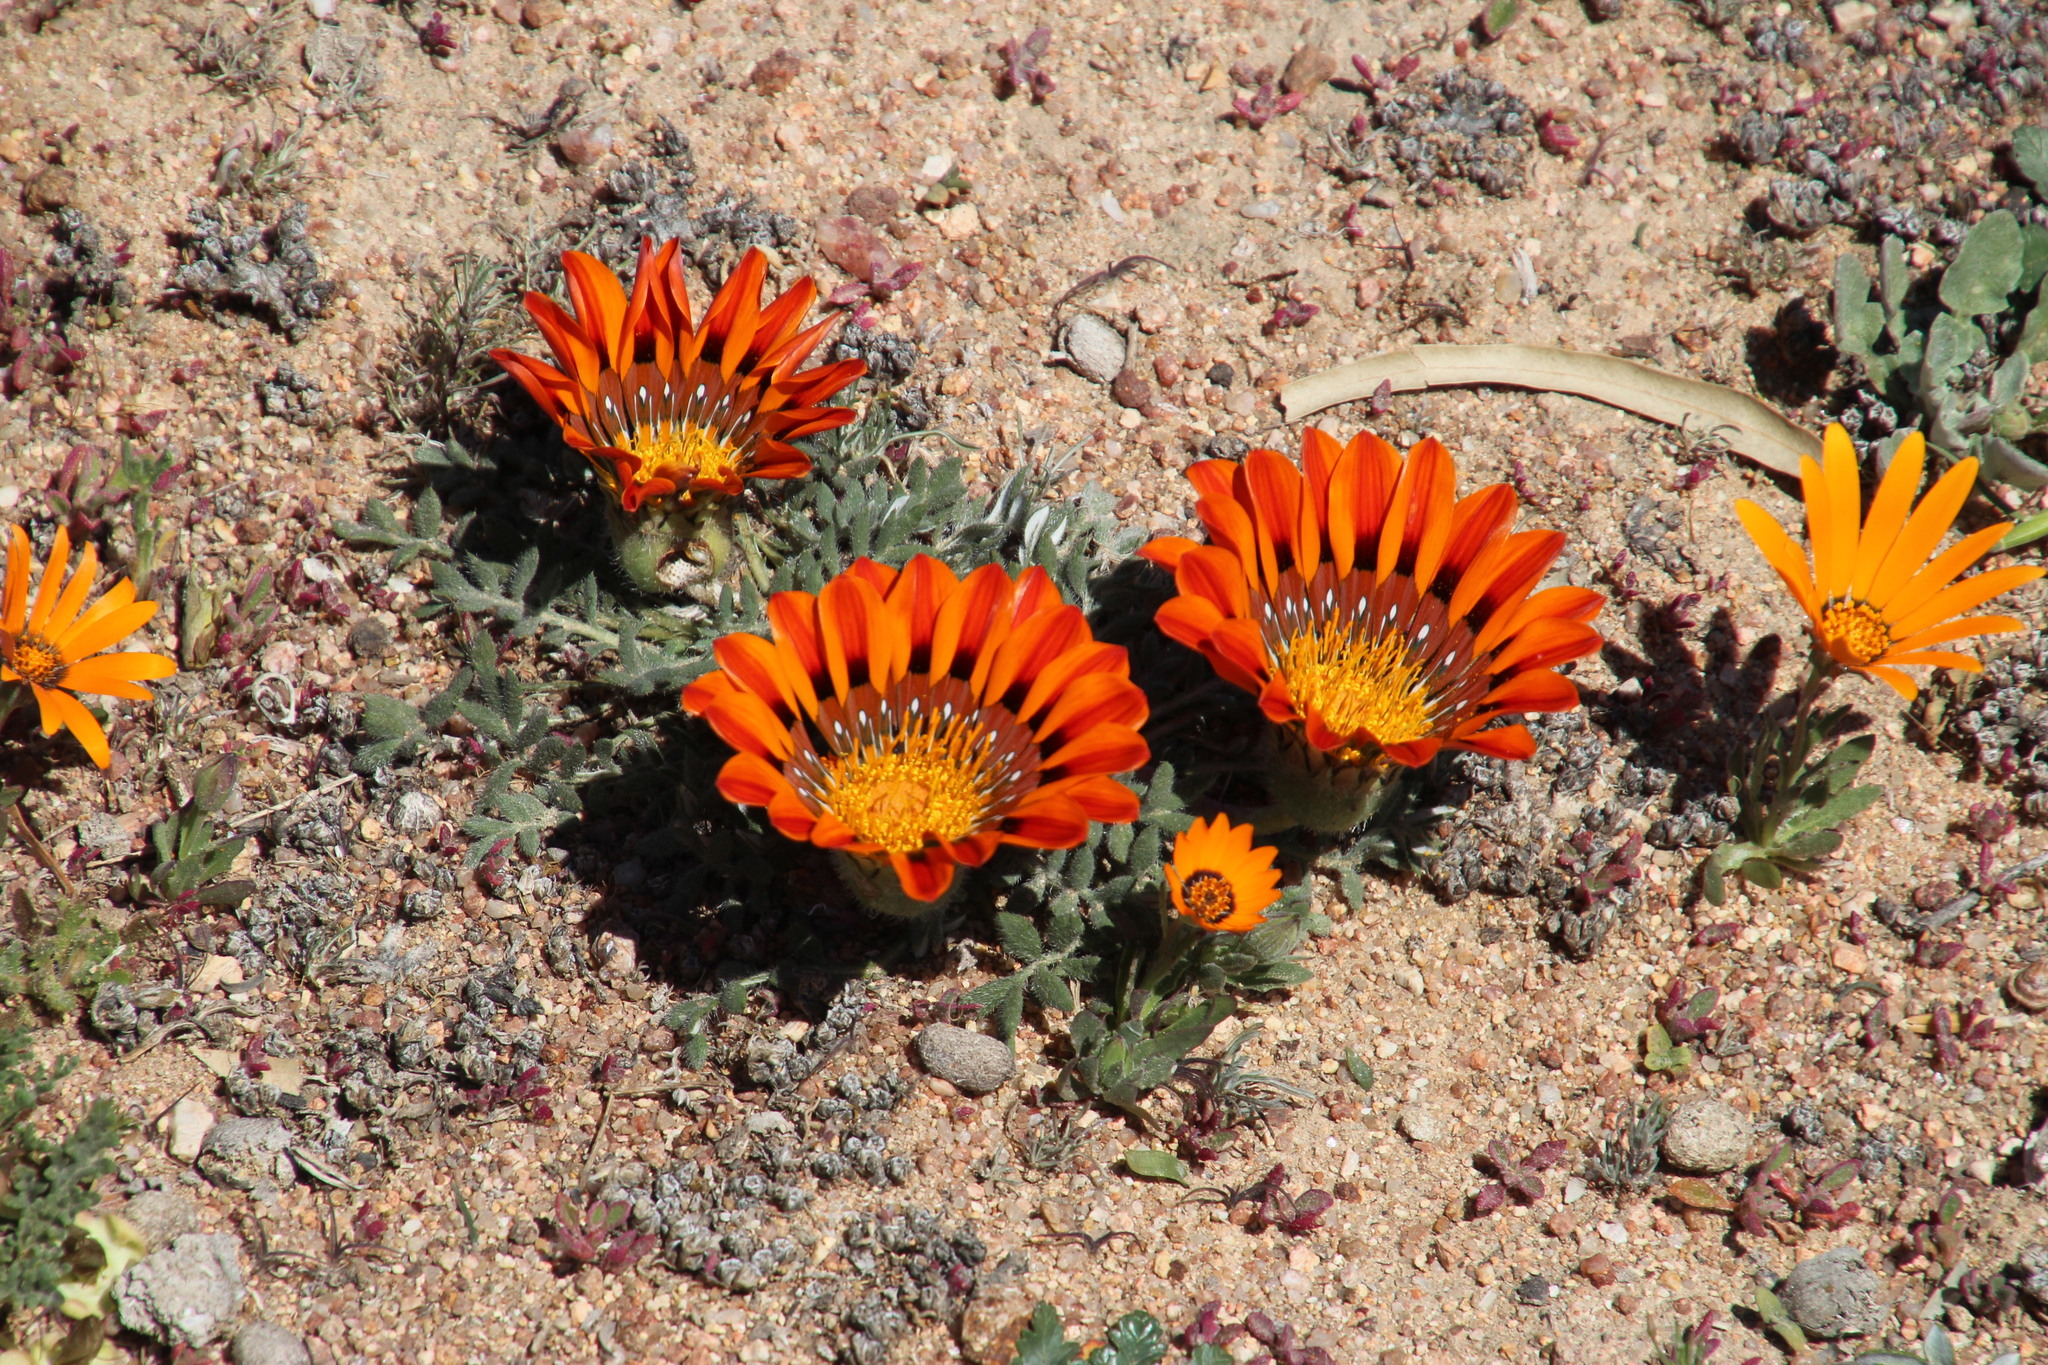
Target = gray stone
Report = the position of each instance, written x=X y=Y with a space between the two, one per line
x=1707 y=1137
x=185 y=1293
x=247 y=1154
x=265 y=1343
x=1834 y=1295
x=160 y=1215
x=975 y=1062
x=1419 y=1123
x=415 y=813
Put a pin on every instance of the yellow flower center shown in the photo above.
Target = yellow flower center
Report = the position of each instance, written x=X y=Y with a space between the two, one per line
x=926 y=783
x=683 y=454
x=1208 y=898
x=37 y=661
x=1856 y=629
x=1355 y=683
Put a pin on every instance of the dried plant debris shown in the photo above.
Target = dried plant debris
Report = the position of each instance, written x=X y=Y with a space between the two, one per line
x=240 y=51
x=1499 y=840
x=85 y=270
x=1463 y=127
x=439 y=373
x=2002 y=719
x=257 y=166
x=272 y=270
x=292 y=396
x=343 y=68
x=1873 y=155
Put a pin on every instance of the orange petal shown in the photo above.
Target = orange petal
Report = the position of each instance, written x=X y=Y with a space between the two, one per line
x=1845 y=499
x=118 y=675
x=750 y=780
x=1960 y=629
x=1168 y=551
x=745 y=721
x=47 y=590
x=1889 y=508
x=14 y=595
x=61 y=708
x=600 y=303
x=1429 y=517
x=1105 y=749
x=109 y=629
x=752 y=663
x=1892 y=678
x=1924 y=530
x=1781 y=554
x=1511 y=742
x=1942 y=570
x=1962 y=597
x=968 y=619
x=925 y=876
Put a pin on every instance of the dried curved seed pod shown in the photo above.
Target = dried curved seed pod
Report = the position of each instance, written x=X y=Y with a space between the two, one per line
x=2028 y=987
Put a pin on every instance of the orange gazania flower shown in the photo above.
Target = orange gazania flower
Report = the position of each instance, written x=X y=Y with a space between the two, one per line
x=1877 y=601
x=45 y=645
x=920 y=719
x=670 y=412
x=1369 y=608
x=1219 y=881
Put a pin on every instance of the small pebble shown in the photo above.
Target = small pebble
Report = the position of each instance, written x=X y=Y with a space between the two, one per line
x=973 y=1061
x=1707 y=1137
x=1598 y=1269
x=1419 y=1123
x=266 y=1343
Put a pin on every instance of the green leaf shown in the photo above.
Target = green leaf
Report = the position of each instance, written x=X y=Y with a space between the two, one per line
x=1894 y=278
x=1836 y=811
x=2033 y=257
x=1495 y=18
x=1986 y=268
x=1136 y=1338
x=1002 y=1002
x=2033 y=338
x=1355 y=1067
x=1050 y=989
x=1858 y=321
x=1661 y=1054
x=1763 y=873
x=1938 y=1349
x=1043 y=1341
x=1019 y=937
x=2030 y=154
x=2025 y=533
x=2004 y=462
x=1152 y=1164
x=1951 y=341
x=1776 y=1319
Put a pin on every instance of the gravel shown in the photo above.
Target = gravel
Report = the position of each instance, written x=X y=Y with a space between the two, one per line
x=160 y=1216
x=1707 y=1137
x=247 y=1154
x=265 y=1343
x=975 y=1062
x=1834 y=1295
x=185 y=1293
x=1420 y=1123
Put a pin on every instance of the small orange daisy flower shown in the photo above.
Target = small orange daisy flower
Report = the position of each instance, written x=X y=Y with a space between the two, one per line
x=918 y=720
x=670 y=412
x=1218 y=880
x=1371 y=610
x=45 y=644
x=1877 y=601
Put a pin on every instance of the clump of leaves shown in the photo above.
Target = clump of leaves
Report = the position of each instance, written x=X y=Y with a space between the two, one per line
x=216 y=623
x=1627 y=1159
x=267 y=269
x=88 y=489
x=1263 y=105
x=1021 y=73
x=1136 y=1338
x=1274 y=1207
x=596 y=1234
x=1514 y=1177
x=1771 y=1197
x=1939 y=1236
x=48 y=1182
x=1208 y=1338
x=238 y=51
x=56 y=962
x=1959 y=371
x=440 y=371
x=1937 y=1349
x=1681 y=1019
x=1974 y=1027
x=1692 y=1345
x=191 y=859
x=1796 y=788
x=1220 y=1095
x=258 y=166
